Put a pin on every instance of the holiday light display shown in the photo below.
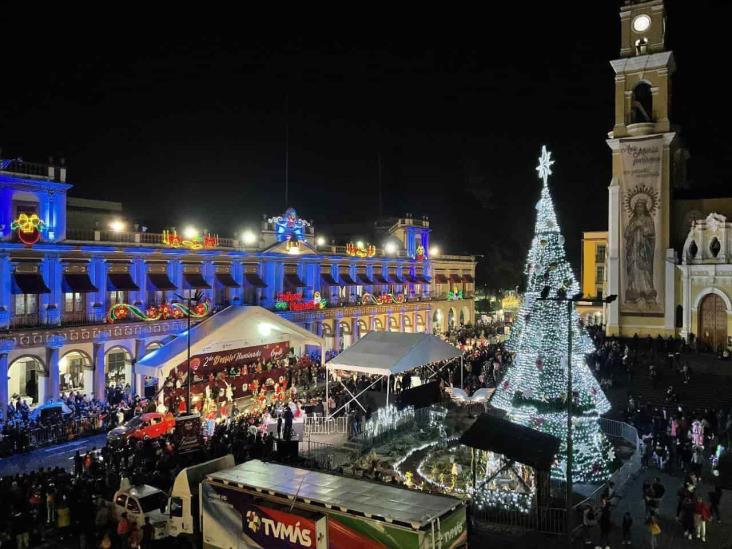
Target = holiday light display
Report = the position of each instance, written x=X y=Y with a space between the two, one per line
x=29 y=228
x=534 y=389
x=360 y=249
x=289 y=227
x=174 y=240
x=454 y=295
x=382 y=299
x=386 y=419
x=120 y=312
x=291 y=301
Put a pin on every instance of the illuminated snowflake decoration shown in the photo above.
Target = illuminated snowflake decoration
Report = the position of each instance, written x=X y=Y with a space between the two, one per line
x=545 y=164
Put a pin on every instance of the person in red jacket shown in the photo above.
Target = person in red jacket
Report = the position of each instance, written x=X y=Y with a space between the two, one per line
x=702 y=514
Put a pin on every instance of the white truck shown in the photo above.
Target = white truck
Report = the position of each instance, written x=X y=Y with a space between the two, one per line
x=267 y=505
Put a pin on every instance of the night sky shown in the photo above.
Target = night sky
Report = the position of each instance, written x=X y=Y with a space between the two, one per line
x=185 y=122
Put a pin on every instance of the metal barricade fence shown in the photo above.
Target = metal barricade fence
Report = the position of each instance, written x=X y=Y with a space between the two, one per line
x=318 y=425
x=326 y=456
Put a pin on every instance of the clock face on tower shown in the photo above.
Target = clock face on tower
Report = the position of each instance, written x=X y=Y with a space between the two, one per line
x=641 y=23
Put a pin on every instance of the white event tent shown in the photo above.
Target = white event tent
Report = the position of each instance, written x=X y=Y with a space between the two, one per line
x=237 y=326
x=390 y=353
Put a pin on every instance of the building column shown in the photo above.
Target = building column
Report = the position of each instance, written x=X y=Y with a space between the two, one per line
x=53 y=347
x=670 y=296
x=6 y=345
x=6 y=291
x=99 y=381
x=428 y=321
x=613 y=259
x=355 y=332
x=336 y=334
x=138 y=384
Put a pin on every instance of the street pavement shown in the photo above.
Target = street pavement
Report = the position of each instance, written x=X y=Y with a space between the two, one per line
x=60 y=455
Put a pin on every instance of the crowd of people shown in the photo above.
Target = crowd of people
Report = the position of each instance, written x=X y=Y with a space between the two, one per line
x=71 y=416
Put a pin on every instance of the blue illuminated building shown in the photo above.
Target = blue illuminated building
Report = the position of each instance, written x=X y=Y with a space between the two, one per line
x=80 y=301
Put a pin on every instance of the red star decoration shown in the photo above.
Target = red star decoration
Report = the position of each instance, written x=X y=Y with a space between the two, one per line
x=505 y=385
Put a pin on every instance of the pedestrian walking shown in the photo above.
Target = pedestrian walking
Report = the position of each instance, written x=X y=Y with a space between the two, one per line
x=627 y=525
x=605 y=524
x=701 y=517
x=714 y=498
x=654 y=529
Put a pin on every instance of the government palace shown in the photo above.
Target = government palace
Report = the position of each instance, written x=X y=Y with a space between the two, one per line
x=667 y=253
x=83 y=296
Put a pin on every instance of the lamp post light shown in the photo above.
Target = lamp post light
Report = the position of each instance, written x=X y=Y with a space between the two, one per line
x=561 y=297
x=197 y=297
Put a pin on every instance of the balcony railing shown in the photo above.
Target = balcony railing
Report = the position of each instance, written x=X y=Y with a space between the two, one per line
x=134 y=238
x=18 y=166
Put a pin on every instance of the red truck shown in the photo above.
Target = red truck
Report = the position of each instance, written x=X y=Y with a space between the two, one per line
x=143 y=427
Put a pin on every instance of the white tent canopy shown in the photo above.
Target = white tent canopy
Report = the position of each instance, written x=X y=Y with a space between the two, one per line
x=386 y=354
x=390 y=353
x=234 y=327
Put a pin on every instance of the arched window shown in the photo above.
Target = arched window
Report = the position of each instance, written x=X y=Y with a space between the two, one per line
x=641 y=46
x=679 y=320
x=71 y=370
x=641 y=108
x=715 y=247
x=23 y=378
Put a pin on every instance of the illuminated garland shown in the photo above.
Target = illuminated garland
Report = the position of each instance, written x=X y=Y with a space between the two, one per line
x=125 y=311
x=383 y=299
x=534 y=389
x=29 y=228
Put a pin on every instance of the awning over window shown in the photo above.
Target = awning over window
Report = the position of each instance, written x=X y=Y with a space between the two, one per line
x=346 y=280
x=293 y=281
x=252 y=280
x=195 y=281
x=422 y=279
x=161 y=282
x=440 y=279
x=78 y=283
x=468 y=278
x=226 y=280
x=393 y=278
x=328 y=280
x=411 y=278
x=456 y=278
x=29 y=283
x=121 y=281
x=379 y=279
x=364 y=279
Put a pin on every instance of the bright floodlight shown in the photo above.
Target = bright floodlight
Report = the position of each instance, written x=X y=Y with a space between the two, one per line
x=190 y=232
x=249 y=237
x=320 y=241
x=390 y=248
x=265 y=328
x=359 y=244
x=117 y=226
x=434 y=251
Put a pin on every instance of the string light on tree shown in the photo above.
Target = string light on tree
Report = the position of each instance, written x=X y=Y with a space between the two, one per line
x=534 y=390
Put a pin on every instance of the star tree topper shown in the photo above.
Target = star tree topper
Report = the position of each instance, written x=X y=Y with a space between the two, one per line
x=545 y=164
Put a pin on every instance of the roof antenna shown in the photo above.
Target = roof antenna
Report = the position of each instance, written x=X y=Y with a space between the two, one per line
x=378 y=185
x=287 y=150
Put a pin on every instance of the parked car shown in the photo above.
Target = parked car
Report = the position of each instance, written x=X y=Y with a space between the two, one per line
x=143 y=427
x=140 y=502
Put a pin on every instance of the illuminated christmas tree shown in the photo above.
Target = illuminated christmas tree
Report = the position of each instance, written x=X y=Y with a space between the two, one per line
x=534 y=390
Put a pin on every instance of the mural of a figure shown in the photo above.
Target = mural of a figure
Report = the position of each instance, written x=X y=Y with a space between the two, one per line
x=640 y=243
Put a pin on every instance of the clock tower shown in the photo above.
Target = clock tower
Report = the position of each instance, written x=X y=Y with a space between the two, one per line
x=646 y=156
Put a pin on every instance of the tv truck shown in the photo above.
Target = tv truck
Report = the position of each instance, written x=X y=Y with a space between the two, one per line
x=267 y=505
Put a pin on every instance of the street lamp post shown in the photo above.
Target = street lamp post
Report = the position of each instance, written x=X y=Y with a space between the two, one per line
x=197 y=297
x=561 y=297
